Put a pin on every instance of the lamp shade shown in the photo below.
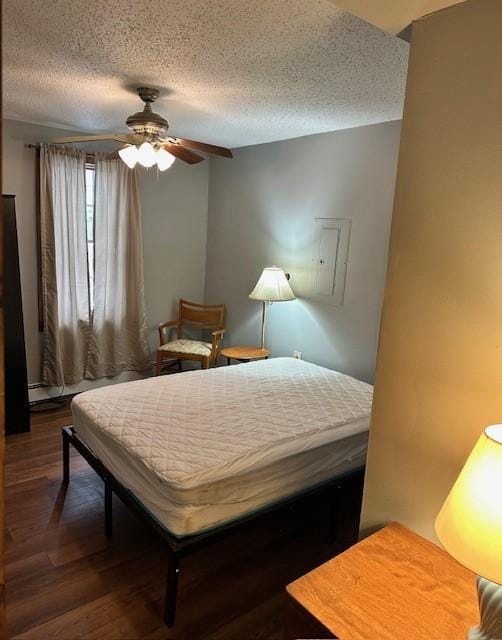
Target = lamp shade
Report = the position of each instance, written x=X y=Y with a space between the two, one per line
x=469 y=525
x=272 y=286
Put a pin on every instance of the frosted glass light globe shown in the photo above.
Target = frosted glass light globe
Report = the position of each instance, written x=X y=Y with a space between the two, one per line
x=129 y=155
x=164 y=159
x=147 y=156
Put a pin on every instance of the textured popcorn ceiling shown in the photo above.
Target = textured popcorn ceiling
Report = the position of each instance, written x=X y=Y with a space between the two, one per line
x=233 y=72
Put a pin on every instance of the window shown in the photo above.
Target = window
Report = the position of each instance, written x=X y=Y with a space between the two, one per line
x=90 y=201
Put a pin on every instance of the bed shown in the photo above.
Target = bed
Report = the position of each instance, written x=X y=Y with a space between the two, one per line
x=196 y=453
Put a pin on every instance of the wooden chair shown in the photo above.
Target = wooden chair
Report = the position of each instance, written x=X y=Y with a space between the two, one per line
x=203 y=316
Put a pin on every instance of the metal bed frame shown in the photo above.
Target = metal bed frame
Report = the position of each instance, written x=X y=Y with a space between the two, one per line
x=336 y=491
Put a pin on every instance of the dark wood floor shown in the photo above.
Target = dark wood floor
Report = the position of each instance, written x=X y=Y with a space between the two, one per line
x=65 y=580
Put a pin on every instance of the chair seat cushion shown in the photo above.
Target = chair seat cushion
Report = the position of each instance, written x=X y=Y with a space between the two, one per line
x=190 y=347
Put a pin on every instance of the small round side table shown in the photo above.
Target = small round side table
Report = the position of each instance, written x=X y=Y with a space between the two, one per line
x=245 y=354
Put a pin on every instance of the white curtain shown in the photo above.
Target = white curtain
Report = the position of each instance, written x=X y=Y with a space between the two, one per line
x=65 y=286
x=118 y=341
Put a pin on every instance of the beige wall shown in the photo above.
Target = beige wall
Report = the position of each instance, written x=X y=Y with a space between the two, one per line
x=439 y=371
x=174 y=235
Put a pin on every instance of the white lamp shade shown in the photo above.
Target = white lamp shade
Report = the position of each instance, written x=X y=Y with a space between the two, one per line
x=469 y=525
x=147 y=155
x=164 y=159
x=272 y=286
x=129 y=155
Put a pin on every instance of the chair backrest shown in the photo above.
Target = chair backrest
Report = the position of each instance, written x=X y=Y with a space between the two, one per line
x=210 y=316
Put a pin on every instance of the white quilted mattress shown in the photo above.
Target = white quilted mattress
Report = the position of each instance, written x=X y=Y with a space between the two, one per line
x=203 y=447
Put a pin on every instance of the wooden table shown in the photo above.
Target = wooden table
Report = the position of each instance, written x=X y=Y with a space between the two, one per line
x=394 y=585
x=244 y=354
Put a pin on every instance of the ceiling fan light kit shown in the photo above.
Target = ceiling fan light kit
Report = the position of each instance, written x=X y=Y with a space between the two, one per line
x=146 y=156
x=149 y=145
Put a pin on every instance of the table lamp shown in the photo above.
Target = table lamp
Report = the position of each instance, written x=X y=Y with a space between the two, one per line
x=272 y=286
x=469 y=526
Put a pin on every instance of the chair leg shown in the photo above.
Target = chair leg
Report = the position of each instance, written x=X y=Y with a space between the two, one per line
x=205 y=363
x=159 y=363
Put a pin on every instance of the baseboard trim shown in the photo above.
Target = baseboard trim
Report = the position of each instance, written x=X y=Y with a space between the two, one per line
x=39 y=392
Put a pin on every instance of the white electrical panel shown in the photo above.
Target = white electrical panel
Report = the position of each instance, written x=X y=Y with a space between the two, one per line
x=330 y=259
x=319 y=265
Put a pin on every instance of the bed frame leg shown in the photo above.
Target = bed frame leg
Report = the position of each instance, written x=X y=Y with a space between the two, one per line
x=66 y=458
x=108 y=508
x=173 y=571
x=345 y=514
x=334 y=517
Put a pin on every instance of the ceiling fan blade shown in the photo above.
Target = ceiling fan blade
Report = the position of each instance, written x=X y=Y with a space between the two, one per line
x=182 y=153
x=117 y=137
x=203 y=146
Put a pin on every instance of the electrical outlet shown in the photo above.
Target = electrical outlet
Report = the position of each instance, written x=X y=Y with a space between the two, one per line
x=297 y=354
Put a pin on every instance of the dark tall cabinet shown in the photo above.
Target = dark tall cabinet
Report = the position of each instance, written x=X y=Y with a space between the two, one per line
x=17 y=408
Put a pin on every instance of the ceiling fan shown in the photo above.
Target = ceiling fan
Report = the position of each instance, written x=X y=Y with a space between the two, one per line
x=149 y=144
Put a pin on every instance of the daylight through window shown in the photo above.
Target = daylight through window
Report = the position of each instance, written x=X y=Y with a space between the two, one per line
x=89 y=208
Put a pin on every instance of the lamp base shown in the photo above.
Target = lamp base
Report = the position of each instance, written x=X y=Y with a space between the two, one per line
x=490 y=608
x=263 y=321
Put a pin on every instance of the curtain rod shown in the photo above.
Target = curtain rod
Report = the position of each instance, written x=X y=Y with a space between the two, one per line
x=37 y=146
x=88 y=155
